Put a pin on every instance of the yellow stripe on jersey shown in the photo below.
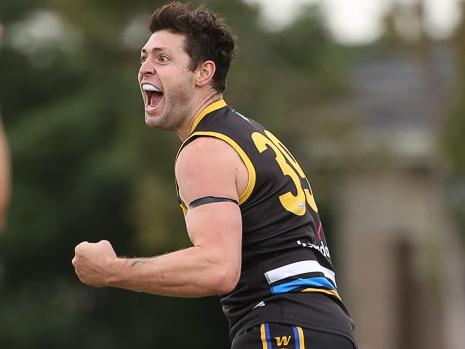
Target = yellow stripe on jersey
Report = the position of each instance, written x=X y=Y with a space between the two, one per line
x=210 y=108
x=183 y=208
x=263 y=337
x=250 y=168
x=321 y=290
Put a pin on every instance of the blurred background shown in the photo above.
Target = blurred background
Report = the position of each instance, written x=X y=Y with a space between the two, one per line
x=370 y=96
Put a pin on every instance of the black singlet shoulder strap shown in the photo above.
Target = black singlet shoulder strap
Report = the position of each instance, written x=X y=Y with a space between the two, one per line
x=208 y=200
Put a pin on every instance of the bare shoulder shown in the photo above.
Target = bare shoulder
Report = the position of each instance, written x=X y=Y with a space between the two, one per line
x=206 y=151
x=208 y=166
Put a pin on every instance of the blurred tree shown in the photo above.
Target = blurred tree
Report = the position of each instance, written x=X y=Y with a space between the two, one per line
x=453 y=140
x=405 y=31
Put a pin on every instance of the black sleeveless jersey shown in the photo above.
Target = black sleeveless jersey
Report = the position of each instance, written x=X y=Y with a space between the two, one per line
x=286 y=274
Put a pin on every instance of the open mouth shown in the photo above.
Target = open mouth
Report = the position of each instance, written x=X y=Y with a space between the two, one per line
x=154 y=95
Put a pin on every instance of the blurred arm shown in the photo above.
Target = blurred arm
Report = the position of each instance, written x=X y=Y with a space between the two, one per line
x=4 y=177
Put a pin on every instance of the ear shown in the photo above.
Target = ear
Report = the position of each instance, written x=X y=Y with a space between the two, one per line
x=204 y=73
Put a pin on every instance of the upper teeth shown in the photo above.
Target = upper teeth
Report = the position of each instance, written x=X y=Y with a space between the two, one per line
x=149 y=87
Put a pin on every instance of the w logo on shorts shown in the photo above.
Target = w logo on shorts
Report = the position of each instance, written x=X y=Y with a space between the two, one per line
x=289 y=337
x=280 y=341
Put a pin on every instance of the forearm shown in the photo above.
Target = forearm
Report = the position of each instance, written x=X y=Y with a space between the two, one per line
x=192 y=272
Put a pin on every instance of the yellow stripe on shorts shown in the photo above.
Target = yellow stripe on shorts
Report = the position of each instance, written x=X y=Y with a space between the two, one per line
x=301 y=337
x=263 y=336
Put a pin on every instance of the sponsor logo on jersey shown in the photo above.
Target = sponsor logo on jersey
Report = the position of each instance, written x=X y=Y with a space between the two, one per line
x=322 y=248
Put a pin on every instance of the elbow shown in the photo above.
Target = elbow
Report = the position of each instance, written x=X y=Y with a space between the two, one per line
x=2 y=217
x=225 y=281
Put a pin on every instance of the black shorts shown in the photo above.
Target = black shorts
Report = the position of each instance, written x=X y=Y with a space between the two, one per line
x=282 y=336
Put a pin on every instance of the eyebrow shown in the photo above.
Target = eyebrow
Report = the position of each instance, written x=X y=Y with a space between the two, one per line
x=155 y=49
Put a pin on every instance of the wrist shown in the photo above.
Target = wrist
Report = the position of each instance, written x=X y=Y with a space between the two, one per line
x=116 y=270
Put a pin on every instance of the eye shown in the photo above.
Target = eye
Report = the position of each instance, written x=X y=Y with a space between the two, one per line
x=163 y=59
x=143 y=59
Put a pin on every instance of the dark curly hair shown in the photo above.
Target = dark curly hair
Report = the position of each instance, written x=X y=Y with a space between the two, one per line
x=207 y=36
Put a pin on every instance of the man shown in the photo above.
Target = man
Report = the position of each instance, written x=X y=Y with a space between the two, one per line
x=249 y=210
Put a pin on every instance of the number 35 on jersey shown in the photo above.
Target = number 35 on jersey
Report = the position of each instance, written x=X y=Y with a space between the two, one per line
x=289 y=167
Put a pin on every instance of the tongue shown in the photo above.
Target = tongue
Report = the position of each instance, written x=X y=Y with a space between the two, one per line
x=155 y=98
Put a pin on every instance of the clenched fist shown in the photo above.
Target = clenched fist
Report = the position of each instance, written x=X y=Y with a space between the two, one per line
x=94 y=263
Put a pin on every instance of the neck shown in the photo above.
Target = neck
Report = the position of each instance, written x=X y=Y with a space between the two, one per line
x=184 y=131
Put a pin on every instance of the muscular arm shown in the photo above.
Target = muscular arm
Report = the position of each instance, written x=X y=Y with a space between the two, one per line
x=4 y=177
x=205 y=167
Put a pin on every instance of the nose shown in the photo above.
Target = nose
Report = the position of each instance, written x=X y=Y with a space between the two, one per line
x=146 y=68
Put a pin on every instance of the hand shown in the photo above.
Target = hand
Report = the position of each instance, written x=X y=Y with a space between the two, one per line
x=94 y=262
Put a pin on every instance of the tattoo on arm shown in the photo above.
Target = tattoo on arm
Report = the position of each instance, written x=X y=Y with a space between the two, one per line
x=136 y=261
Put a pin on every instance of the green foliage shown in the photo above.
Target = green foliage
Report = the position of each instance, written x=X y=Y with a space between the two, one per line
x=87 y=168
x=453 y=140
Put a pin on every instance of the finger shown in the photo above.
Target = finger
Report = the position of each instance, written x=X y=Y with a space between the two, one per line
x=105 y=242
x=80 y=246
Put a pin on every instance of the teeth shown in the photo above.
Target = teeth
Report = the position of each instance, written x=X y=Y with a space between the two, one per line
x=149 y=87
